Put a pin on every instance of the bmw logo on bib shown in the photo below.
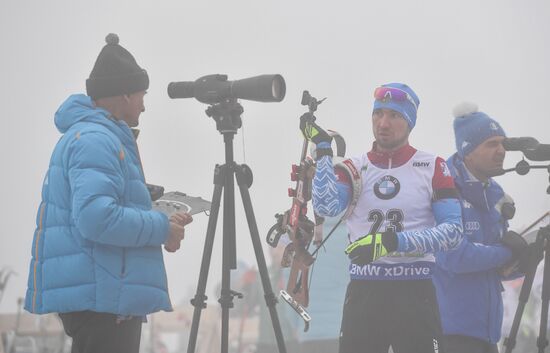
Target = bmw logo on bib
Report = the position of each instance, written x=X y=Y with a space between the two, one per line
x=387 y=187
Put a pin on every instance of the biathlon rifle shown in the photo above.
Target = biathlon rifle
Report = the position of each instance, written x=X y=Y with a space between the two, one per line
x=300 y=229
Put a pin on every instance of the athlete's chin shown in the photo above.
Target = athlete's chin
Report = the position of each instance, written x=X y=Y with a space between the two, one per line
x=385 y=141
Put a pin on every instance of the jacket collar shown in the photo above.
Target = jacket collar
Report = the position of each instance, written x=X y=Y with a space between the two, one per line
x=483 y=195
x=393 y=159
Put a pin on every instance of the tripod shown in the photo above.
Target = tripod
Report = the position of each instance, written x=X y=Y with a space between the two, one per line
x=540 y=250
x=228 y=121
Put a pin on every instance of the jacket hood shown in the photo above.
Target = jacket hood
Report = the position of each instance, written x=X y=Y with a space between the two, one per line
x=76 y=108
x=80 y=108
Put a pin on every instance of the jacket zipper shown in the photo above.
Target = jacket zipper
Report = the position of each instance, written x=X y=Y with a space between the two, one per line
x=37 y=260
x=143 y=175
x=485 y=186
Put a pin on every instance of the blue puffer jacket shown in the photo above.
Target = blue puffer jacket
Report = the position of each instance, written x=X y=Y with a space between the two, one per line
x=467 y=279
x=97 y=245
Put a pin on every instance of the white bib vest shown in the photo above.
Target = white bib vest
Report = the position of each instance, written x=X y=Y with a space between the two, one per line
x=395 y=199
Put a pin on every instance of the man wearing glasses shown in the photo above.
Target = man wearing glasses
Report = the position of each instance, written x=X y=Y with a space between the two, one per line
x=401 y=207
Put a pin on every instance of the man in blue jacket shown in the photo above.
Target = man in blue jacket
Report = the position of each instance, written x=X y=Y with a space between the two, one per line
x=468 y=279
x=96 y=255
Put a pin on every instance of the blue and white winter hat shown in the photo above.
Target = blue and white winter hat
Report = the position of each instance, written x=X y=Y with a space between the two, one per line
x=472 y=127
x=398 y=97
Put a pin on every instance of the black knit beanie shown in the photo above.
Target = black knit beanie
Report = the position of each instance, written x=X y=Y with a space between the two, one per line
x=115 y=72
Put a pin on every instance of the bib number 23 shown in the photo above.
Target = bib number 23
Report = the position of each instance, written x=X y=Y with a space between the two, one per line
x=393 y=219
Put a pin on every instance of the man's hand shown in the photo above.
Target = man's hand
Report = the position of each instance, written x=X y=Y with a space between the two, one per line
x=519 y=248
x=176 y=235
x=371 y=247
x=514 y=242
x=524 y=256
x=313 y=132
x=181 y=218
x=178 y=221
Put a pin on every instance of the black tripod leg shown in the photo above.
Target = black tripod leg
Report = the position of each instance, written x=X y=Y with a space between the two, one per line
x=542 y=341
x=510 y=341
x=228 y=253
x=244 y=180
x=199 y=301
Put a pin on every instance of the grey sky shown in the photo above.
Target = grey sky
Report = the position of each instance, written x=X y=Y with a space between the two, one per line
x=494 y=53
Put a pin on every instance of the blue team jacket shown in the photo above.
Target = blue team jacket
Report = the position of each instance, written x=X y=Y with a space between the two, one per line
x=97 y=244
x=466 y=279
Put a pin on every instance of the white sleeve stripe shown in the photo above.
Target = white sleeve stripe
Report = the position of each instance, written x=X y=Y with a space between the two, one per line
x=443 y=237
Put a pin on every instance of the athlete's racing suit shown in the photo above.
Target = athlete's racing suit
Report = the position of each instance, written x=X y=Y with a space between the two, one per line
x=392 y=300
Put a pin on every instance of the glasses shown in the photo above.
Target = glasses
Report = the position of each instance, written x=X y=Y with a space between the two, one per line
x=391 y=93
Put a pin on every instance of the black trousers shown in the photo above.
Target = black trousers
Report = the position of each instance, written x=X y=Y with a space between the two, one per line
x=400 y=314
x=101 y=332
x=466 y=344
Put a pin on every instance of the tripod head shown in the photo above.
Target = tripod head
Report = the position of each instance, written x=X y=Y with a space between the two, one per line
x=227 y=115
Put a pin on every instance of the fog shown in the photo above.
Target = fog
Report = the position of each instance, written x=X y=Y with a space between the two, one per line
x=494 y=53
